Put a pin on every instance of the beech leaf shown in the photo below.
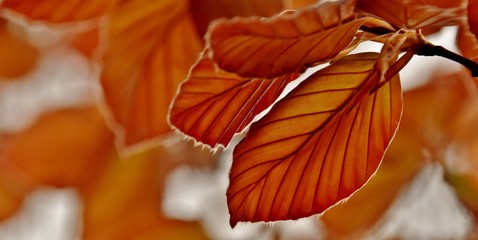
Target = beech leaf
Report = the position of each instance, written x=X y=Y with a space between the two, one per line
x=212 y=105
x=317 y=145
x=289 y=42
x=149 y=54
x=473 y=16
x=415 y=14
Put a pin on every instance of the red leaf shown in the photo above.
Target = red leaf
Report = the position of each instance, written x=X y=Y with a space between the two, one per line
x=213 y=105
x=152 y=46
x=415 y=14
x=317 y=145
x=290 y=42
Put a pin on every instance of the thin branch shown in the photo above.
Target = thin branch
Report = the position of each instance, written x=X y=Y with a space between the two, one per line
x=429 y=49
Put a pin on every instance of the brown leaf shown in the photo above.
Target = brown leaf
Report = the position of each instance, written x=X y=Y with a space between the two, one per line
x=152 y=45
x=296 y=4
x=285 y=43
x=17 y=56
x=416 y=14
x=59 y=11
x=467 y=42
x=212 y=105
x=316 y=146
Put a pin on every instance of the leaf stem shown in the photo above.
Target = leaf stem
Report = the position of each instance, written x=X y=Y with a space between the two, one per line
x=429 y=49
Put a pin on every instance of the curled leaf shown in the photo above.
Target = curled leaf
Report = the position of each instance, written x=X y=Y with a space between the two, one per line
x=285 y=43
x=473 y=16
x=212 y=105
x=317 y=145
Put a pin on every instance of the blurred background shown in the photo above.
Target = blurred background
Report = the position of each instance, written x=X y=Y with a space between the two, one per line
x=86 y=152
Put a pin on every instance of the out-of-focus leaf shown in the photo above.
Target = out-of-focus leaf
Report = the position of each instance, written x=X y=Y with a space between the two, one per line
x=87 y=42
x=212 y=105
x=65 y=148
x=316 y=146
x=206 y=11
x=152 y=45
x=467 y=42
x=48 y=152
x=59 y=11
x=17 y=56
x=473 y=16
x=125 y=202
x=285 y=43
x=415 y=14
x=296 y=4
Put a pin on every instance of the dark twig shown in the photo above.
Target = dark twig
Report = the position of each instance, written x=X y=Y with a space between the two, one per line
x=429 y=49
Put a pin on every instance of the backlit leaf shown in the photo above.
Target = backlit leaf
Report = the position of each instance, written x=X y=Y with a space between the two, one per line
x=213 y=105
x=296 y=4
x=17 y=56
x=316 y=146
x=152 y=45
x=289 y=42
x=59 y=11
x=415 y=14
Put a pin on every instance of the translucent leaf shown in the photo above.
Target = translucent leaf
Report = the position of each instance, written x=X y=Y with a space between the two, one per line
x=415 y=14
x=289 y=42
x=59 y=11
x=317 y=145
x=296 y=4
x=152 y=45
x=17 y=56
x=212 y=105
x=467 y=42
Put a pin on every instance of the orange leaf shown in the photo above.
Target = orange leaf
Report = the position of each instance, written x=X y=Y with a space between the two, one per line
x=296 y=4
x=415 y=14
x=206 y=11
x=59 y=11
x=403 y=160
x=473 y=16
x=17 y=56
x=213 y=105
x=316 y=146
x=125 y=202
x=467 y=42
x=152 y=45
x=47 y=153
x=289 y=42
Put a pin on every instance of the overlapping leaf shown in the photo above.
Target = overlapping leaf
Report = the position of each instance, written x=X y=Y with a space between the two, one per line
x=296 y=4
x=213 y=105
x=285 y=43
x=415 y=14
x=149 y=53
x=17 y=56
x=467 y=42
x=317 y=145
x=59 y=11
